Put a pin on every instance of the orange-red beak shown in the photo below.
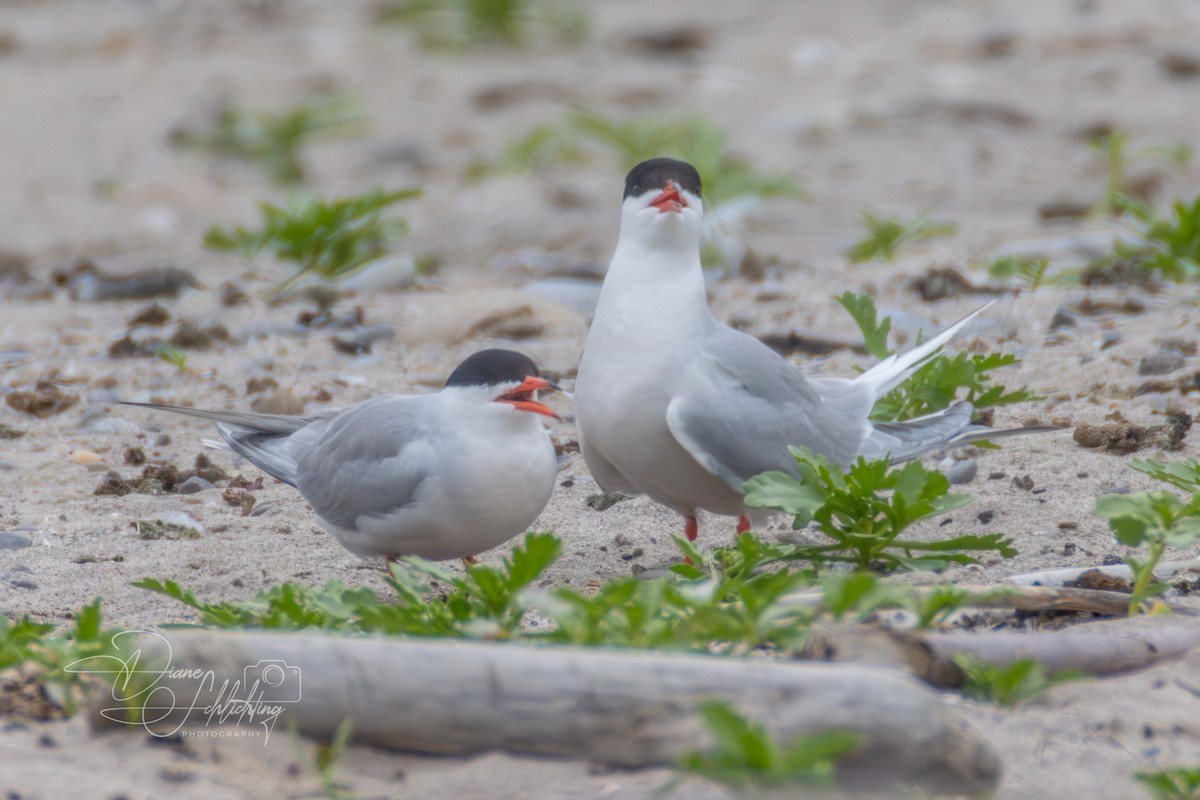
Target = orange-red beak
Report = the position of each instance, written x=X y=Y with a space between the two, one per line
x=521 y=397
x=670 y=199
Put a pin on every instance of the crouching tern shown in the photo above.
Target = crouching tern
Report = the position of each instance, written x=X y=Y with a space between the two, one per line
x=442 y=475
x=672 y=403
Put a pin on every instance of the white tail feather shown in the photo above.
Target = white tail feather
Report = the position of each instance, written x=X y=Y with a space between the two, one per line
x=895 y=369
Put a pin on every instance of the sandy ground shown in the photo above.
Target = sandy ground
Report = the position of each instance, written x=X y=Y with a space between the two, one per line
x=967 y=112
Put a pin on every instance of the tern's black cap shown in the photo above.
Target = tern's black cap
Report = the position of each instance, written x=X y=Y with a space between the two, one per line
x=492 y=368
x=655 y=173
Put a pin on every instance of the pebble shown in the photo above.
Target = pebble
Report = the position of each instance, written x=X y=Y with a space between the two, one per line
x=388 y=272
x=101 y=422
x=85 y=457
x=86 y=282
x=1063 y=318
x=360 y=339
x=194 y=485
x=263 y=508
x=1161 y=362
x=16 y=578
x=11 y=540
x=959 y=472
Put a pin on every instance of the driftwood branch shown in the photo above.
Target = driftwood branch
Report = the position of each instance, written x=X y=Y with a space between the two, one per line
x=1105 y=647
x=632 y=709
x=1164 y=571
x=1030 y=599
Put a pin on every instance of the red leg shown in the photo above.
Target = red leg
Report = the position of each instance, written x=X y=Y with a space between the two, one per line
x=743 y=524
x=690 y=528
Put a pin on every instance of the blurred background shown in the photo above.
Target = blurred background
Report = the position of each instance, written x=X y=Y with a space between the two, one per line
x=131 y=127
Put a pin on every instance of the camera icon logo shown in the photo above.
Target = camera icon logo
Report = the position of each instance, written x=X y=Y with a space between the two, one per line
x=274 y=680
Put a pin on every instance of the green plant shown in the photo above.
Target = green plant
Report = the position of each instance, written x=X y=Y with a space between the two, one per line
x=745 y=756
x=886 y=235
x=865 y=509
x=730 y=606
x=1114 y=147
x=1184 y=475
x=936 y=384
x=326 y=759
x=55 y=659
x=173 y=356
x=1176 y=783
x=275 y=141
x=483 y=602
x=1169 y=246
x=329 y=238
x=1030 y=270
x=1007 y=684
x=1157 y=520
x=694 y=139
x=457 y=24
x=287 y=606
x=874 y=331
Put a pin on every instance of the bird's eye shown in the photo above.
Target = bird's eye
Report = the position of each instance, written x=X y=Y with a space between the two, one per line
x=637 y=189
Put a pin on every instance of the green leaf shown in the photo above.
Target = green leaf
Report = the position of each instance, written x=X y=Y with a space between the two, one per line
x=780 y=491
x=875 y=334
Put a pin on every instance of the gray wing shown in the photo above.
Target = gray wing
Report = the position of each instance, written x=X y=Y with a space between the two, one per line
x=739 y=405
x=370 y=460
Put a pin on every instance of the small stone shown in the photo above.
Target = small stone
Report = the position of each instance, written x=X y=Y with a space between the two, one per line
x=152 y=529
x=194 y=485
x=359 y=340
x=1161 y=362
x=18 y=578
x=152 y=315
x=85 y=457
x=1062 y=318
x=151 y=486
x=44 y=401
x=1181 y=66
x=1023 y=482
x=283 y=401
x=11 y=540
x=10 y=433
x=962 y=471
x=134 y=456
x=113 y=485
x=605 y=501
x=985 y=517
x=233 y=295
x=255 y=385
x=258 y=509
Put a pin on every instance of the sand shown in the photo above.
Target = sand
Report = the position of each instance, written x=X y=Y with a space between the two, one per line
x=970 y=113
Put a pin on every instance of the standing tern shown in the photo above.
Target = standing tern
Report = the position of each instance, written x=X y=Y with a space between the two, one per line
x=672 y=403
x=442 y=475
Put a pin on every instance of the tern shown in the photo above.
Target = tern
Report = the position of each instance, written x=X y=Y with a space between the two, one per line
x=674 y=404
x=443 y=475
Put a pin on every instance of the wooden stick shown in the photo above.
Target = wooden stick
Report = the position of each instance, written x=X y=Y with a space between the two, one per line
x=1020 y=598
x=1059 y=577
x=627 y=708
x=1104 y=647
